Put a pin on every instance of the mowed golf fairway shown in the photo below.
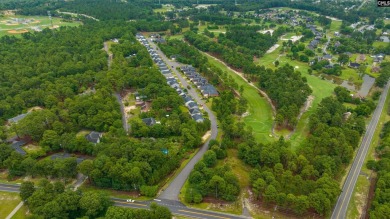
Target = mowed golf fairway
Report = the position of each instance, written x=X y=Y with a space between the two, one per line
x=8 y=201
x=14 y=24
x=260 y=112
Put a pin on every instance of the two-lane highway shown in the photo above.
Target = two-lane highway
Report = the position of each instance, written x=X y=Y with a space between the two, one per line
x=340 y=210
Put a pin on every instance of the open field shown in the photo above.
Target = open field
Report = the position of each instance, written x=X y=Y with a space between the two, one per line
x=363 y=183
x=14 y=25
x=164 y=9
x=335 y=26
x=8 y=201
x=260 y=112
x=377 y=44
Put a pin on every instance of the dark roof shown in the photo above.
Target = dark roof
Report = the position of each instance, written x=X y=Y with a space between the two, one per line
x=327 y=56
x=187 y=98
x=195 y=111
x=94 y=137
x=18 y=118
x=209 y=89
x=149 y=121
x=197 y=117
x=354 y=65
x=192 y=105
x=17 y=146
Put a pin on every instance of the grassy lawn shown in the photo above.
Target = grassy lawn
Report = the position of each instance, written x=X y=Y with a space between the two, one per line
x=239 y=168
x=30 y=148
x=335 y=26
x=164 y=9
x=350 y=74
x=360 y=194
x=363 y=183
x=260 y=112
x=9 y=25
x=377 y=44
x=22 y=213
x=8 y=201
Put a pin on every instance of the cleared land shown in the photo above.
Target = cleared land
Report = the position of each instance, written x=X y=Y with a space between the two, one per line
x=15 y=25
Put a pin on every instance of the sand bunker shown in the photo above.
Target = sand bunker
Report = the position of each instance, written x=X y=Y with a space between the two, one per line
x=35 y=22
x=18 y=31
x=54 y=27
x=273 y=48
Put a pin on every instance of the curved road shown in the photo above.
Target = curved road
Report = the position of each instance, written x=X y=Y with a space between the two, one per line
x=173 y=190
x=340 y=209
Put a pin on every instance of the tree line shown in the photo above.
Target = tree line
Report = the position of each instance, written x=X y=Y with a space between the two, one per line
x=53 y=200
x=380 y=203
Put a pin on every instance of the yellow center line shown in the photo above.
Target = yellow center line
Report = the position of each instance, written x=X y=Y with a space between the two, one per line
x=130 y=203
x=209 y=215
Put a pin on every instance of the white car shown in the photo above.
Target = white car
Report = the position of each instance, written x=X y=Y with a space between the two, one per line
x=129 y=200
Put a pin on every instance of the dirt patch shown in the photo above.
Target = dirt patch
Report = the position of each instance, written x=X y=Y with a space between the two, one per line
x=35 y=22
x=9 y=12
x=206 y=136
x=54 y=27
x=31 y=147
x=18 y=31
x=35 y=108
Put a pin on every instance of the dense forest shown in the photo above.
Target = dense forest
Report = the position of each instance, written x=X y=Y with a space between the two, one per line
x=248 y=37
x=380 y=203
x=67 y=78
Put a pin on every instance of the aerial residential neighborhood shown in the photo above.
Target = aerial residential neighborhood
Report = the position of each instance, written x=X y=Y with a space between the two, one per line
x=194 y=109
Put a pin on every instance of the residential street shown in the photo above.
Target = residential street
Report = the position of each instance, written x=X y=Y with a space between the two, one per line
x=173 y=190
x=340 y=209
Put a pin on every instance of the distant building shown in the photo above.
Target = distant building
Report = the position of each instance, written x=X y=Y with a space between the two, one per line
x=209 y=91
x=354 y=65
x=149 y=121
x=197 y=118
x=94 y=137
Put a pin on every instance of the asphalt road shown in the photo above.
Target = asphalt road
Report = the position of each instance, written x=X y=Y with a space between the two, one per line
x=173 y=190
x=174 y=206
x=340 y=209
